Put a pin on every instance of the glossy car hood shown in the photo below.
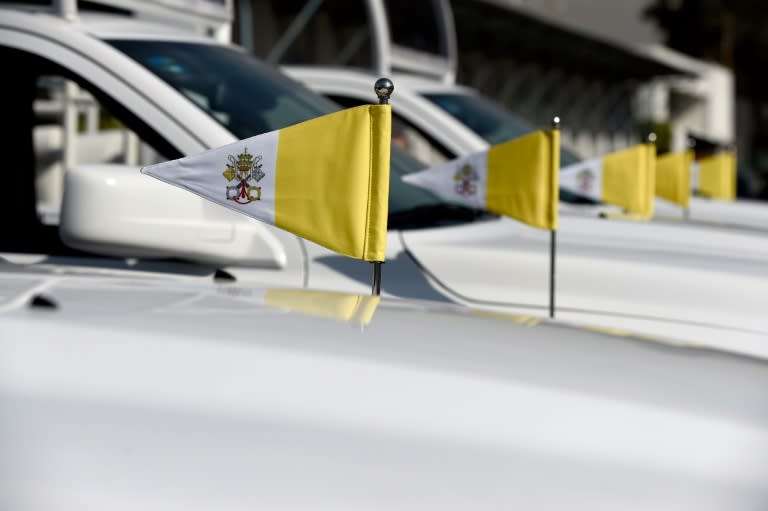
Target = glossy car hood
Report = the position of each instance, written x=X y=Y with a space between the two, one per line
x=137 y=394
x=738 y=214
x=693 y=283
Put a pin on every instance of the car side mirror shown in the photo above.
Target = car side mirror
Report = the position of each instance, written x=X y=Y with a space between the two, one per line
x=115 y=210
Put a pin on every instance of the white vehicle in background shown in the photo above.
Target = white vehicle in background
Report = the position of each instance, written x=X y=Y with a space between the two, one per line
x=140 y=380
x=744 y=214
x=173 y=94
x=634 y=273
x=438 y=121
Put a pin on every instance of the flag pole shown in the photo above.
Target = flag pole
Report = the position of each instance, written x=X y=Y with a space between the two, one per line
x=383 y=89
x=553 y=245
x=687 y=211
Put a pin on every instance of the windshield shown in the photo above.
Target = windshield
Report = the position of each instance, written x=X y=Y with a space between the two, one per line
x=244 y=95
x=249 y=98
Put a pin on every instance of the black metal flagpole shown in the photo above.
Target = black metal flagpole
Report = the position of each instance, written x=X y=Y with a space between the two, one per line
x=687 y=211
x=383 y=89
x=553 y=244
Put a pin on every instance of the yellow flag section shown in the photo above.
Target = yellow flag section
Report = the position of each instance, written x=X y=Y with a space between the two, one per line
x=518 y=178
x=326 y=179
x=523 y=179
x=629 y=178
x=673 y=177
x=623 y=178
x=717 y=176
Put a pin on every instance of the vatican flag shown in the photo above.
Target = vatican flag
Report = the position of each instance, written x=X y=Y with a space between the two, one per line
x=673 y=177
x=518 y=179
x=326 y=179
x=715 y=176
x=623 y=178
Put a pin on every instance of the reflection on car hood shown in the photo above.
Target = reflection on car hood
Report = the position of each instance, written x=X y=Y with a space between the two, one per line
x=738 y=214
x=144 y=394
x=697 y=284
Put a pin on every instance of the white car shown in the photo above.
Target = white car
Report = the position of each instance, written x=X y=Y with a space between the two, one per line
x=151 y=380
x=437 y=121
x=125 y=393
x=743 y=214
x=170 y=94
x=670 y=279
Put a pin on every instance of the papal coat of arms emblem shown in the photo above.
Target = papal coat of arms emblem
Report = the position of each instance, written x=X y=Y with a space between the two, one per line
x=245 y=169
x=585 y=178
x=465 y=179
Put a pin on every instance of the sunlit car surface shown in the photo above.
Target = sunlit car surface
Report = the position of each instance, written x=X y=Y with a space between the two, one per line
x=202 y=362
x=146 y=393
x=163 y=105
x=645 y=275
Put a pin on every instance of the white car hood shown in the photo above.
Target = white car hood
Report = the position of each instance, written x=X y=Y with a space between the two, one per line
x=692 y=283
x=738 y=214
x=134 y=394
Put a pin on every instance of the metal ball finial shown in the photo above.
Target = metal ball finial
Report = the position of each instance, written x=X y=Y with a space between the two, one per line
x=556 y=122
x=651 y=138
x=384 y=88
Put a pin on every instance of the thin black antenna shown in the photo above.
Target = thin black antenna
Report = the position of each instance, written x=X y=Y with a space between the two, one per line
x=383 y=89
x=553 y=245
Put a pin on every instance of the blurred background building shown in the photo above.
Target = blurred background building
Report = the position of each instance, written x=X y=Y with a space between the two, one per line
x=599 y=64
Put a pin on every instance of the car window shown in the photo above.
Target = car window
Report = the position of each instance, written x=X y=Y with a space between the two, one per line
x=408 y=137
x=73 y=127
x=56 y=120
x=243 y=94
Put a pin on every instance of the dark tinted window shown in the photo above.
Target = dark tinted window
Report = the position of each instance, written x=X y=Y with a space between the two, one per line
x=415 y=25
x=244 y=95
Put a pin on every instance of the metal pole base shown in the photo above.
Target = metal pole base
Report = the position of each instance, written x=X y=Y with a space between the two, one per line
x=552 y=245
x=376 y=288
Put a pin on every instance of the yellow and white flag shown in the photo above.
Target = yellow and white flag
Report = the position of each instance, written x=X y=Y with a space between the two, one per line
x=326 y=179
x=673 y=177
x=715 y=176
x=623 y=178
x=518 y=179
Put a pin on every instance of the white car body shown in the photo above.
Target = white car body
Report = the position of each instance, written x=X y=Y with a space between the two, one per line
x=457 y=139
x=130 y=383
x=743 y=214
x=505 y=276
x=639 y=272
x=159 y=395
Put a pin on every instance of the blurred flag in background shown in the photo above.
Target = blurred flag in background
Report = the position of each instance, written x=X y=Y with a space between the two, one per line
x=518 y=179
x=673 y=177
x=623 y=178
x=715 y=176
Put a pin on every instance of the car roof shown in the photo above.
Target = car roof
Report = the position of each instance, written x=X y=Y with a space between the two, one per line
x=409 y=82
x=108 y=25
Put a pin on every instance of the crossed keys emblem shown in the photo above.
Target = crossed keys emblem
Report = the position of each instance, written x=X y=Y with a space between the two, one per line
x=245 y=170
